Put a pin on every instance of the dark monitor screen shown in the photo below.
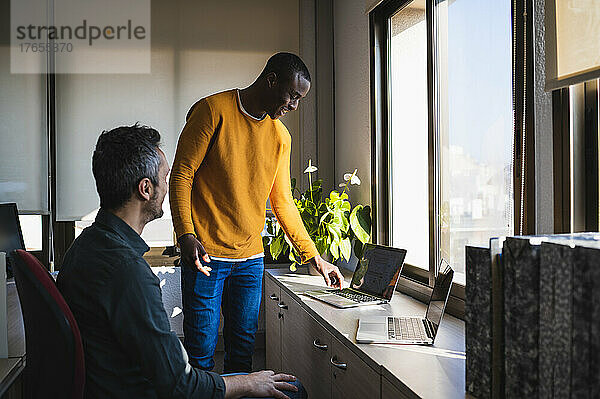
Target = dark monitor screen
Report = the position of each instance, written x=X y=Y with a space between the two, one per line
x=378 y=271
x=439 y=296
x=11 y=237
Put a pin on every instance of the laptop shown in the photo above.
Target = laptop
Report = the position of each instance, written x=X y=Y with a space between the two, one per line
x=409 y=330
x=374 y=280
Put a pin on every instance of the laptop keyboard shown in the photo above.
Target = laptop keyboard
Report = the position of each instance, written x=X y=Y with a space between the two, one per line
x=355 y=296
x=405 y=328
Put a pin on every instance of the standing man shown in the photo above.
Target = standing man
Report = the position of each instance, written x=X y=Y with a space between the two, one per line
x=234 y=154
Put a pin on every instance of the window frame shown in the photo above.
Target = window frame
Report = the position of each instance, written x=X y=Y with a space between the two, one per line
x=415 y=281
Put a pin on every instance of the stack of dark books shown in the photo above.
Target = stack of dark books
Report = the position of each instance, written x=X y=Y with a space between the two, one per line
x=478 y=316
x=533 y=317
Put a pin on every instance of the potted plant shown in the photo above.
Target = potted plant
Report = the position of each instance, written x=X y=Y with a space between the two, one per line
x=332 y=223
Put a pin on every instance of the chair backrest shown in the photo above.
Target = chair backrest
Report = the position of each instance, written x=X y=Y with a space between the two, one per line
x=55 y=362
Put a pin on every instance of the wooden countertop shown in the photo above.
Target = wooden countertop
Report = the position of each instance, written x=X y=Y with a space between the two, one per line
x=436 y=371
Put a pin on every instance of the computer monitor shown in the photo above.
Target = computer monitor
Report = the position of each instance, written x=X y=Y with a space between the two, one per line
x=11 y=237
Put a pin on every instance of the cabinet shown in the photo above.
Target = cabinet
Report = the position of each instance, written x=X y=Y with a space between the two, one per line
x=305 y=348
x=314 y=341
x=351 y=376
x=389 y=391
x=298 y=344
x=272 y=324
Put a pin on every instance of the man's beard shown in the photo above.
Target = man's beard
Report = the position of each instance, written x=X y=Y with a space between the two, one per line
x=154 y=209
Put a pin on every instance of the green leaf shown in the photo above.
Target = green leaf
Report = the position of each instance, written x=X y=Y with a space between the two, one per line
x=276 y=247
x=269 y=226
x=292 y=257
x=335 y=232
x=334 y=195
x=266 y=240
x=317 y=192
x=346 y=206
x=321 y=244
x=293 y=183
x=311 y=208
x=360 y=220
x=337 y=219
x=359 y=249
x=322 y=208
x=335 y=252
x=345 y=248
x=324 y=217
x=345 y=224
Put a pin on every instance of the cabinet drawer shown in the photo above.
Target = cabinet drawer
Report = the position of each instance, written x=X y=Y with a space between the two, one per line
x=272 y=324
x=306 y=349
x=351 y=376
x=389 y=391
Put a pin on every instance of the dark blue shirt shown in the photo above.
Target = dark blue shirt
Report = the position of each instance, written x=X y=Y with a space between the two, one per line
x=130 y=350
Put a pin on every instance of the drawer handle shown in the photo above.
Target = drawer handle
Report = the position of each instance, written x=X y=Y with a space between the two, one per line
x=282 y=305
x=274 y=297
x=318 y=345
x=339 y=365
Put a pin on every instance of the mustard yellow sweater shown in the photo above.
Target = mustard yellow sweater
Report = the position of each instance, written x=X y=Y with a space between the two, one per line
x=226 y=166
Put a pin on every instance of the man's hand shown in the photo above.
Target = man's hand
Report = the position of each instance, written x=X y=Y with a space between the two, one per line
x=260 y=384
x=190 y=249
x=331 y=274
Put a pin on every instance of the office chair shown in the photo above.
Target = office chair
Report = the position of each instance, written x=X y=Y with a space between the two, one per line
x=54 y=361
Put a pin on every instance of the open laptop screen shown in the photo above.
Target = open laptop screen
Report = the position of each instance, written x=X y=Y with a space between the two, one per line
x=378 y=271
x=439 y=296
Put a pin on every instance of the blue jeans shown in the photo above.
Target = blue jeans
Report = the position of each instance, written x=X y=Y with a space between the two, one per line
x=301 y=394
x=236 y=288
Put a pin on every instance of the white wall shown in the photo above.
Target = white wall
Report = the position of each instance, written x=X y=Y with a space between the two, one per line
x=198 y=48
x=352 y=95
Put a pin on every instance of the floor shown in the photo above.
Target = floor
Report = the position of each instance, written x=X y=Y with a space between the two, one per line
x=258 y=361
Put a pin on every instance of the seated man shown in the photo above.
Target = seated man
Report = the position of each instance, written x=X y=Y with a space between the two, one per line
x=130 y=351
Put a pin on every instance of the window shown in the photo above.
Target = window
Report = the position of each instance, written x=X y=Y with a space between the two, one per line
x=409 y=133
x=442 y=108
x=157 y=233
x=31 y=227
x=474 y=114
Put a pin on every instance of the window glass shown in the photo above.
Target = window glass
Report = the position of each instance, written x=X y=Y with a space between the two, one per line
x=409 y=133
x=31 y=227
x=474 y=65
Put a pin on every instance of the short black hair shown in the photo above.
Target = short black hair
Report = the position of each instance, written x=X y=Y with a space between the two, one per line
x=285 y=65
x=124 y=156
